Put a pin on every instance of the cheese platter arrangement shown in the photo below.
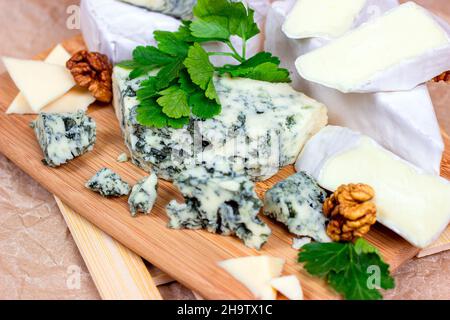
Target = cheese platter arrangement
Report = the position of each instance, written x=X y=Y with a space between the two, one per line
x=244 y=173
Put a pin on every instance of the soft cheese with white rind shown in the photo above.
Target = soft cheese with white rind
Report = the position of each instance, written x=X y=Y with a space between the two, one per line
x=397 y=51
x=289 y=286
x=297 y=202
x=143 y=195
x=255 y=273
x=403 y=122
x=262 y=127
x=75 y=100
x=115 y=28
x=177 y=8
x=41 y=83
x=412 y=203
x=108 y=184
x=63 y=137
x=322 y=18
x=220 y=201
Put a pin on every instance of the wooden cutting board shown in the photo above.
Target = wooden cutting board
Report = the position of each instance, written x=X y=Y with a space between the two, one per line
x=188 y=256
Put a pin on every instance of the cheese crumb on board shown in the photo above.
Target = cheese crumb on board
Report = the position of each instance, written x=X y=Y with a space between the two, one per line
x=40 y=82
x=143 y=195
x=410 y=202
x=288 y=286
x=256 y=273
x=63 y=137
x=123 y=157
x=108 y=184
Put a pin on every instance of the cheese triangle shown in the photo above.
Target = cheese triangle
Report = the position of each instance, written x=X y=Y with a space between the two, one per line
x=288 y=286
x=76 y=99
x=40 y=82
x=255 y=273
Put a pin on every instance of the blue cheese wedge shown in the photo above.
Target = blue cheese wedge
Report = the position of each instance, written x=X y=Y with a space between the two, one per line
x=297 y=202
x=63 y=137
x=262 y=127
x=108 y=184
x=176 y=8
x=220 y=201
x=143 y=195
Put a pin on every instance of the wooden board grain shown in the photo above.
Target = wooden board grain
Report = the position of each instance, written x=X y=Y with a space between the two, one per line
x=188 y=256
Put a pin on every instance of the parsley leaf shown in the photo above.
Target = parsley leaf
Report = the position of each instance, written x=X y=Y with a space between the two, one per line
x=203 y=107
x=263 y=66
x=211 y=27
x=150 y=114
x=174 y=102
x=169 y=43
x=353 y=270
x=201 y=70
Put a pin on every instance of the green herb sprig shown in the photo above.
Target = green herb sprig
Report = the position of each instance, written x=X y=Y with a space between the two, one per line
x=348 y=268
x=183 y=80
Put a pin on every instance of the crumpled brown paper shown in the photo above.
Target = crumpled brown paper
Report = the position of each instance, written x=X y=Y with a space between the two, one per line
x=37 y=253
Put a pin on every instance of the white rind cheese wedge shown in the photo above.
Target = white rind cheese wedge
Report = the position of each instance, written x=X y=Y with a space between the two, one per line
x=369 y=58
x=403 y=122
x=255 y=273
x=77 y=99
x=288 y=286
x=41 y=83
x=410 y=202
x=322 y=18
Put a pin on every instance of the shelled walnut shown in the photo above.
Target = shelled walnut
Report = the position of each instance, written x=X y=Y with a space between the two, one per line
x=351 y=212
x=445 y=76
x=92 y=70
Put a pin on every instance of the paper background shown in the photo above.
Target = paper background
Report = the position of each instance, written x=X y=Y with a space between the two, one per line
x=37 y=252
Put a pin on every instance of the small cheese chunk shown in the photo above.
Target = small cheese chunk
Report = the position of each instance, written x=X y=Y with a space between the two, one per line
x=297 y=202
x=108 y=184
x=123 y=157
x=352 y=61
x=321 y=18
x=63 y=137
x=143 y=195
x=411 y=203
x=255 y=273
x=40 y=82
x=288 y=286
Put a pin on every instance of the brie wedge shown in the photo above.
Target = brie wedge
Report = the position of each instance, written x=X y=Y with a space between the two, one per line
x=255 y=273
x=77 y=99
x=39 y=82
x=403 y=122
x=321 y=18
x=353 y=62
x=288 y=286
x=410 y=202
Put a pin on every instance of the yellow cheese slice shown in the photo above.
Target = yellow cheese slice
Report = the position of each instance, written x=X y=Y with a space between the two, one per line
x=40 y=82
x=255 y=273
x=288 y=286
x=76 y=99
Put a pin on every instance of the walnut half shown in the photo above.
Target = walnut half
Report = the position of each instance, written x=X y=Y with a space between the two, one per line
x=351 y=212
x=445 y=76
x=92 y=70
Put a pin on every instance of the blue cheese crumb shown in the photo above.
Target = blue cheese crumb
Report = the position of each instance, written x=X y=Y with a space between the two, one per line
x=220 y=201
x=65 y=136
x=122 y=158
x=108 y=184
x=143 y=195
x=297 y=202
